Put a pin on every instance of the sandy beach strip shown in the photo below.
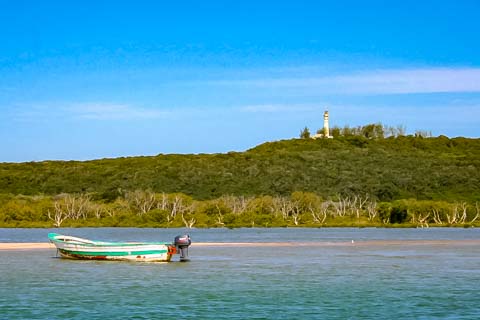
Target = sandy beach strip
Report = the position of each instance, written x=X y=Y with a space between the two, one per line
x=360 y=243
x=25 y=245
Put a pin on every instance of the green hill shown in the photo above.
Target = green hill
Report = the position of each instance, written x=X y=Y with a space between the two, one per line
x=388 y=169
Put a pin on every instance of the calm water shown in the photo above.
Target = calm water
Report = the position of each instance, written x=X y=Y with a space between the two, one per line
x=402 y=281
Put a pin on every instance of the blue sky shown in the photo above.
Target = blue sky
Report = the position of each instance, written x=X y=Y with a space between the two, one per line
x=94 y=79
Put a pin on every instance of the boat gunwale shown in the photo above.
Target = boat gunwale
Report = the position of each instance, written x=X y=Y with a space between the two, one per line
x=91 y=243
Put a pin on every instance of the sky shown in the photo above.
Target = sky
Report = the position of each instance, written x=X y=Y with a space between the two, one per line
x=84 y=80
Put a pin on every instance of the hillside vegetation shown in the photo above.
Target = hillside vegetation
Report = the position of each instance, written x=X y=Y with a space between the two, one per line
x=387 y=170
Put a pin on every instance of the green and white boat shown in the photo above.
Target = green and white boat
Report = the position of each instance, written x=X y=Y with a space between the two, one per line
x=78 y=248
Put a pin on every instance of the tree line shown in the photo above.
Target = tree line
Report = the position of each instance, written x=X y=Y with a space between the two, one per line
x=299 y=209
x=369 y=131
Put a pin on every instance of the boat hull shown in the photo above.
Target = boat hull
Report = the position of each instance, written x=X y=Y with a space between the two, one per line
x=78 y=248
x=161 y=257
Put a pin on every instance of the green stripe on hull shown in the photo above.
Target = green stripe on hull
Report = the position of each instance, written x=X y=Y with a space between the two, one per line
x=113 y=253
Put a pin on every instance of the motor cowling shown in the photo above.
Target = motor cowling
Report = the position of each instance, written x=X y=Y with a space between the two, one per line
x=182 y=243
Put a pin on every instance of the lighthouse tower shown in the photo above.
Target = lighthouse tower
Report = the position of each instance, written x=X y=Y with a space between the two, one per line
x=326 y=128
x=325 y=133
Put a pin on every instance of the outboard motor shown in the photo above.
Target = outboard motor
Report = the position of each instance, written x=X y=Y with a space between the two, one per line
x=182 y=243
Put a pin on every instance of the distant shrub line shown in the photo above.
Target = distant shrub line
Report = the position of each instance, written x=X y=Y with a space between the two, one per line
x=369 y=131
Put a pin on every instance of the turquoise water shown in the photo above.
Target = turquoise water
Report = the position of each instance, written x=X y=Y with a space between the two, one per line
x=409 y=280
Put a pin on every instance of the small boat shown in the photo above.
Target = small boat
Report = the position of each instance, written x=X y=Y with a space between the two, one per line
x=78 y=248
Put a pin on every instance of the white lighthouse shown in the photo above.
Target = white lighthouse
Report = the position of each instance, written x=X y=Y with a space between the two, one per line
x=326 y=129
x=325 y=133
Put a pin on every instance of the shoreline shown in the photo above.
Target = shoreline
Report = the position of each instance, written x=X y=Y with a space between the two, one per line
x=12 y=246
